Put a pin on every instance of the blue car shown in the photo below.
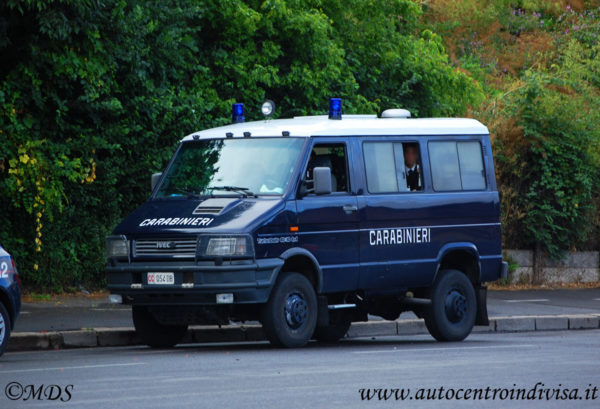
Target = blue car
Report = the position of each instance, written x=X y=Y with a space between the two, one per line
x=311 y=223
x=10 y=297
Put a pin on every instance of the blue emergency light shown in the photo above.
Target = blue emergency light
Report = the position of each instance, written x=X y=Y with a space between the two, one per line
x=335 y=108
x=237 y=113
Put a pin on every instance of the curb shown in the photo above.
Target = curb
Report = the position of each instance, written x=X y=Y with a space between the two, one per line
x=106 y=337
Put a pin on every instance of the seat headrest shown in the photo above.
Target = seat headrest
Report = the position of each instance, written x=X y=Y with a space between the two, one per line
x=321 y=161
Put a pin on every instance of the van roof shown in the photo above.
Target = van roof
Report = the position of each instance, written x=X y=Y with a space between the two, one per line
x=349 y=125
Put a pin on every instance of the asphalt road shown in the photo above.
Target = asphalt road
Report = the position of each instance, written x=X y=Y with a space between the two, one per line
x=80 y=312
x=255 y=375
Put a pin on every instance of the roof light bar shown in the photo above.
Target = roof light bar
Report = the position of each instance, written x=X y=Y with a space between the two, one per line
x=237 y=113
x=335 y=108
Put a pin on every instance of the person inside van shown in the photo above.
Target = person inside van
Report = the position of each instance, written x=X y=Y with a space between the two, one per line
x=411 y=167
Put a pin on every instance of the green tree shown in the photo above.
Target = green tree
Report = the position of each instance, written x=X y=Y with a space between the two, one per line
x=95 y=95
x=397 y=61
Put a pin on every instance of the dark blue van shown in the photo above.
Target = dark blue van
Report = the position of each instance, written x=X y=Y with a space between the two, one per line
x=10 y=297
x=309 y=224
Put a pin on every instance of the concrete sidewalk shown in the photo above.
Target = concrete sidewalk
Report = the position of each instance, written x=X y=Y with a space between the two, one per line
x=69 y=322
x=102 y=337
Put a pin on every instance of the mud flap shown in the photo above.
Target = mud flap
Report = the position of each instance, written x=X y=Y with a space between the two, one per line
x=504 y=270
x=322 y=311
x=482 y=316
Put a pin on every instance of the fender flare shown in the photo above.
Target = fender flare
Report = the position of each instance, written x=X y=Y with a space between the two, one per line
x=464 y=246
x=299 y=251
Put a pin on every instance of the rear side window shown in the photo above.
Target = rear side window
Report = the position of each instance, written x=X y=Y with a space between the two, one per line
x=393 y=167
x=470 y=158
x=456 y=165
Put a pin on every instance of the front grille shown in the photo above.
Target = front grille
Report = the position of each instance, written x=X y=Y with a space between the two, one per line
x=166 y=247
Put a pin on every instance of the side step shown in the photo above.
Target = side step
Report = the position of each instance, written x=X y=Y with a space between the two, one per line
x=340 y=306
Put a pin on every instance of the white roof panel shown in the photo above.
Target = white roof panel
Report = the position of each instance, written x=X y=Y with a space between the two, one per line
x=349 y=125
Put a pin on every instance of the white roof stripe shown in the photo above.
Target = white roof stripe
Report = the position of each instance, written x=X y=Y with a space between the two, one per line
x=349 y=125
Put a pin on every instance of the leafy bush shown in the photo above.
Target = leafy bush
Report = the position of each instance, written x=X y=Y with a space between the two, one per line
x=94 y=96
x=538 y=65
x=547 y=144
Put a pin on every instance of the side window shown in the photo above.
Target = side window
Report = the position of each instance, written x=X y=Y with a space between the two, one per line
x=380 y=167
x=456 y=166
x=392 y=167
x=334 y=157
x=445 y=171
x=470 y=158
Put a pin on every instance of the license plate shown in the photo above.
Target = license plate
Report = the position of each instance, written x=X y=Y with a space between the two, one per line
x=161 y=278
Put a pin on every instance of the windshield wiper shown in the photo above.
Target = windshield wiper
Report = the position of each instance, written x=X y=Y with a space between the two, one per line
x=244 y=191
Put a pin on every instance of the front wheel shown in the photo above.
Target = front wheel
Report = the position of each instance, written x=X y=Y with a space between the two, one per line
x=451 y=315
x=290 y=316
x=153 y=333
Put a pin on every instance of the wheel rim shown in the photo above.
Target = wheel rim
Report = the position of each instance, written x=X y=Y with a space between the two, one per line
x=455 y=306
x=296 y=310
x=2 y=329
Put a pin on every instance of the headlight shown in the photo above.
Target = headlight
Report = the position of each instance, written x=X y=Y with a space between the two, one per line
x=226 y=246
x=117 y=247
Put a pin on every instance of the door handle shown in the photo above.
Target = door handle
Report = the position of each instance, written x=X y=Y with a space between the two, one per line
x=350 y=208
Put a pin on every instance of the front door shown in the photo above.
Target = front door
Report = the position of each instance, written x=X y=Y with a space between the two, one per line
x=328 y=224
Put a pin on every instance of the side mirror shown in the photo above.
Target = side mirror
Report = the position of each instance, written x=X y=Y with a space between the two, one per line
x=322 y=181
x=155 y=179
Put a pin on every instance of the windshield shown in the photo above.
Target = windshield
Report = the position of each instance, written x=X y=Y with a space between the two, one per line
x=249 y=166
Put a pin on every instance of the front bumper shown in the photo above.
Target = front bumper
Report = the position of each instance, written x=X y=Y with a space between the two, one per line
x=199 y=283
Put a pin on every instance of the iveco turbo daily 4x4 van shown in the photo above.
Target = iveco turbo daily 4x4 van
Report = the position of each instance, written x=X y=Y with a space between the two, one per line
x=311 y=223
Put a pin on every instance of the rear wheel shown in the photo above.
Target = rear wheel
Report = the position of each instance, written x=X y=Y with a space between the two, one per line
x=4 y=328
x=339 y=323
x=290 y=316
x=451 y=315
x=153 y=333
